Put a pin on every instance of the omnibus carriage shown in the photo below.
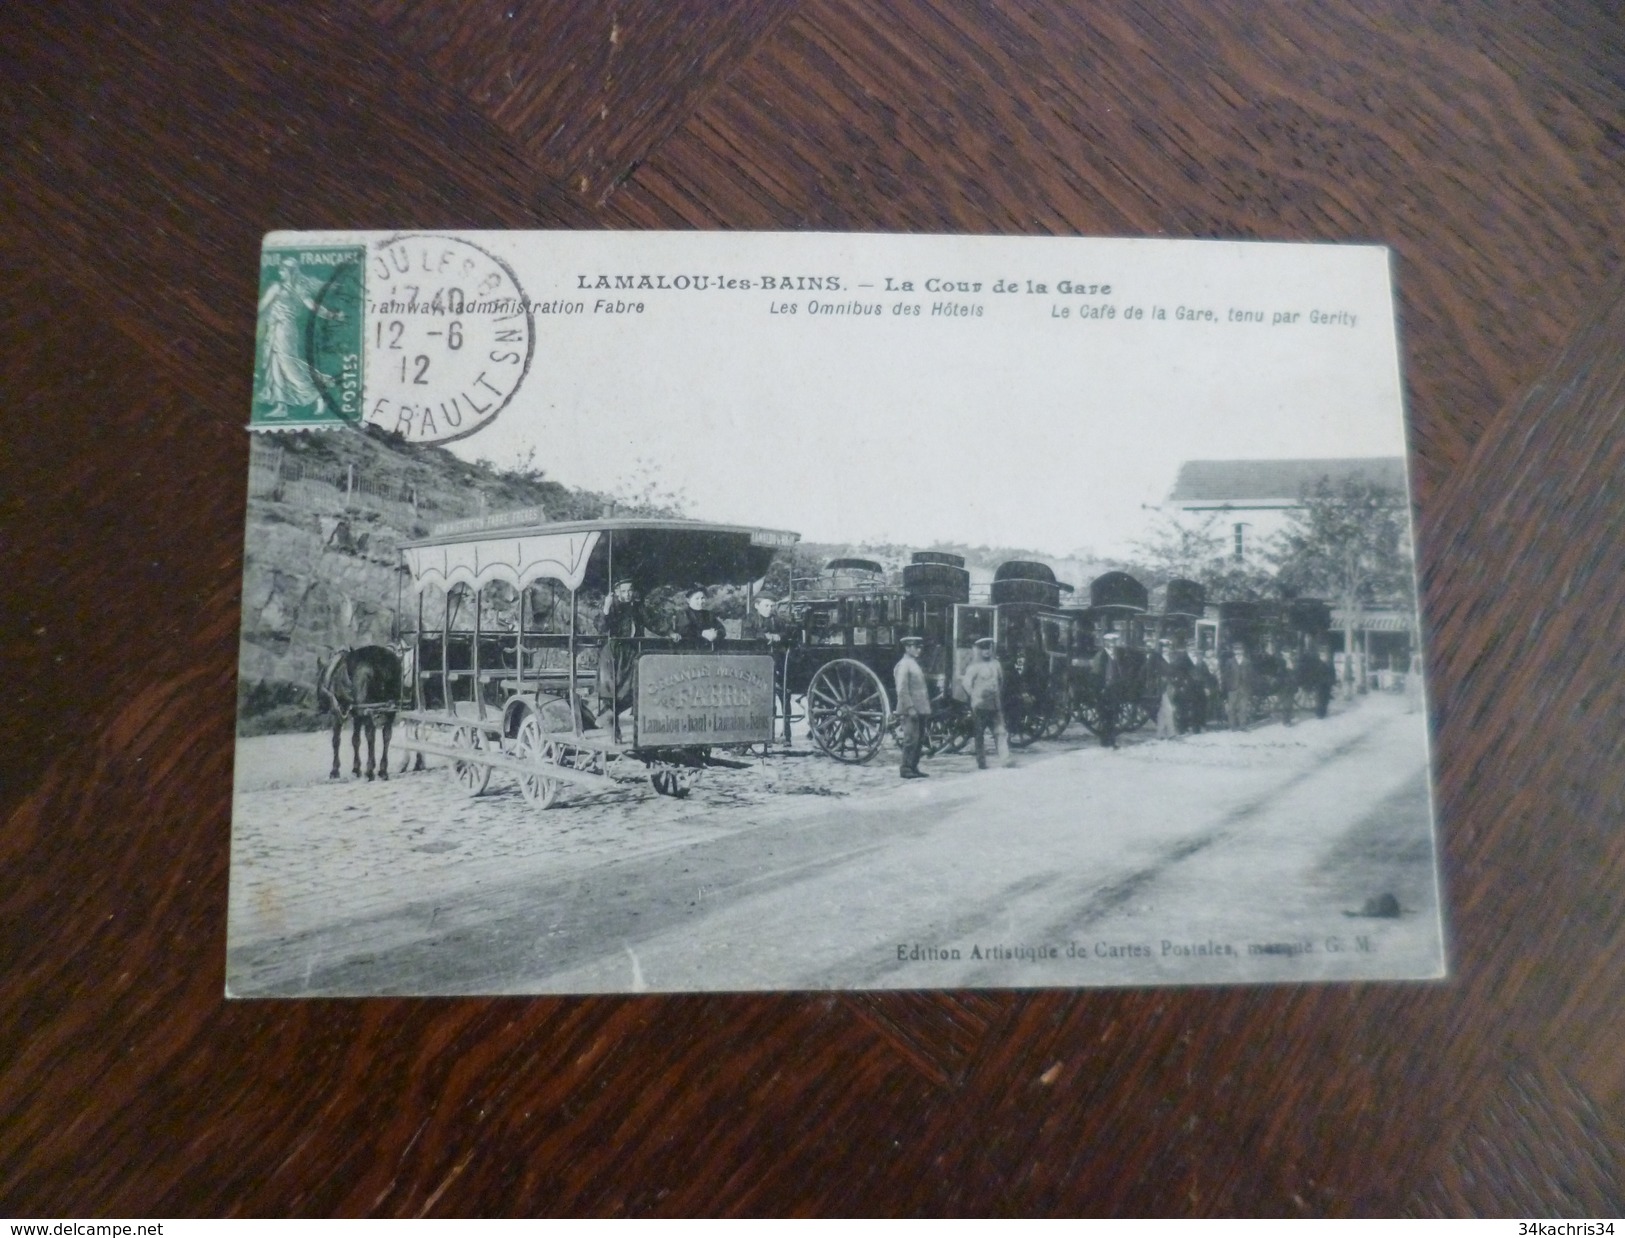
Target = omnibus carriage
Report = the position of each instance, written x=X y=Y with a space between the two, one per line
x=849 y=623
x=1119 y=606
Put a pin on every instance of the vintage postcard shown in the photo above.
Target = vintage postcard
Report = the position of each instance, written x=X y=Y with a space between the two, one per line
x=662 y=612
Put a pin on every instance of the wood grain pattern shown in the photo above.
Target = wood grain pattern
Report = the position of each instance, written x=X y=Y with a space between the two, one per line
x=148 y=147
x=586 y=90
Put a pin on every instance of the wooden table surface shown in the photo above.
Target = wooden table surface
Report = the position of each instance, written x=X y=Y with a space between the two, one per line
x=147 y=148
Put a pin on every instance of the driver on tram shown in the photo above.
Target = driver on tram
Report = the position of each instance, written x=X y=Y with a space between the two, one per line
x=623 y=614
x=623 y=624
x=764 y=624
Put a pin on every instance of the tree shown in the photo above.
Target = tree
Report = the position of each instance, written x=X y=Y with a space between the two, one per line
x=644 y=492
x=1348 y=543
x=1178 y=549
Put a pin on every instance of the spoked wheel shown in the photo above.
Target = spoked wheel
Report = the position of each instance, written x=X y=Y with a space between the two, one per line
x=472 y=776
x=947 y=731
x=847 y=711
x=1026 y=725
x=535 y=749
x=1088 y=713
x=1059 y=716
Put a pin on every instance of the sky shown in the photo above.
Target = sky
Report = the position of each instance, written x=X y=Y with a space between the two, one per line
x=1026 y=425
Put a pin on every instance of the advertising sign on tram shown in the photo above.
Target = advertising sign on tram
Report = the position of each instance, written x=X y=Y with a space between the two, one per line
x=703 y=698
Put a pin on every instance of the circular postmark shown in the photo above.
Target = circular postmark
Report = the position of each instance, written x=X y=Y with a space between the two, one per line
x=449 y=337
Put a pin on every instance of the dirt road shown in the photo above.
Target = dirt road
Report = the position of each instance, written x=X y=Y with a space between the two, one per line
x=1209 y=859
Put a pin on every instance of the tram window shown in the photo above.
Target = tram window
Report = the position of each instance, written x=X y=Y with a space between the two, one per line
x=432 y=606
x=548 y=604
x=499 y=624
x=461 y=615
x=590 y=616
x=499 y=607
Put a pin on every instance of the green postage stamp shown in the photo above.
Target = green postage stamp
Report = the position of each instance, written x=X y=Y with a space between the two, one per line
x=308 y=344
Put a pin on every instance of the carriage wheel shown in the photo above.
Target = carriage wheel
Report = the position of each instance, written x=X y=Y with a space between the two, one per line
x=847 y=711
x=1088 y=713
x=1027 y=724
x=534 y=748
x=946 y=731
x=936 y=734
x=472 y=776
x=1060 y=714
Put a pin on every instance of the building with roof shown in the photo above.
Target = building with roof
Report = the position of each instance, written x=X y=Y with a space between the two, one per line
x=1250 y=499
x=1250 y=502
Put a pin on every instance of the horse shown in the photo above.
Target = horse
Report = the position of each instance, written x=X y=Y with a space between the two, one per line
x=365 y=685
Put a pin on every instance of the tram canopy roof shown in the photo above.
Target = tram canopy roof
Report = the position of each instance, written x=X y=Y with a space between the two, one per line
x=651 y=553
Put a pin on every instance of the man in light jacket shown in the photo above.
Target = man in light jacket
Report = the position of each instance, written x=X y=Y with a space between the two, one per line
x=913 y=704
x=983 y=682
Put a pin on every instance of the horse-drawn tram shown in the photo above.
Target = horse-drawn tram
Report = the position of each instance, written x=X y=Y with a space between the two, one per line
x=539 y=652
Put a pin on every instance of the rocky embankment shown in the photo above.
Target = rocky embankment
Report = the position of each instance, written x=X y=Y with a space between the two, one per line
x=326 y=516
x=312 y=583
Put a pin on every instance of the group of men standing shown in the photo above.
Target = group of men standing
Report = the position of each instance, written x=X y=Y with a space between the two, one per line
x=1187 y=690
x=983 y=683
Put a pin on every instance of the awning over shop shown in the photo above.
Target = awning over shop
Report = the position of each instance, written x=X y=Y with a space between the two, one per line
x=518 y=560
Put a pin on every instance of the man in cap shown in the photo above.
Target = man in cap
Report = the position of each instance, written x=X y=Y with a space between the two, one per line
x=1286 y=687
x=764 y=624
x=623 y=613
x=1112 y=687
x=1239 y=681
x=624 y=622
x=983 y=682
x=1191 y=705
x=1168 y=684
x=913 y=704
x=1266 y=677
x=1207 y=675
x=1316 y=676
x=1153 y=676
